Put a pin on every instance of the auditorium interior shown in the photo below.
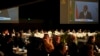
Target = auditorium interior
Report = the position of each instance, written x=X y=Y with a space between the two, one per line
x=37 y=31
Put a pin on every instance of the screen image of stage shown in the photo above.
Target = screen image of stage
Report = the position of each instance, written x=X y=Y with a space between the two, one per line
x=9 y=15
x=79 y=12
x=92 y=11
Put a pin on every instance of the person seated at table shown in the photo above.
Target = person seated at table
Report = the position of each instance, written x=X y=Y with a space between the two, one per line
x=36 y=33
x=72 y=46
x=18 y=41
x=13 y=33
x=60 y=50
x=61 y=32
x=56 y=32
x=47 y=46
x=56 y=40
x=90 y=48
x=34 y=47
x=29 y=32
x=41 y=33
x=50 y=33
x=6 y=43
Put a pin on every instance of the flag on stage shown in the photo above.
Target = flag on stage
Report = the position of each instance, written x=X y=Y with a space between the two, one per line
x=71 y=10
x=76 y=12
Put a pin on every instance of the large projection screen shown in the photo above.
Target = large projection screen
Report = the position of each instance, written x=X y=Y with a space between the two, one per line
x=79 y=12
x=9 y=15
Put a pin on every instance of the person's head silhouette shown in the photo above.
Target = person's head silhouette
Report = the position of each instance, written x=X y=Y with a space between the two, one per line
x=85 y=8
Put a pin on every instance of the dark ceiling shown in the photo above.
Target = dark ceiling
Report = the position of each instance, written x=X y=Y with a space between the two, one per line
x=12 y=3
x=32 y=7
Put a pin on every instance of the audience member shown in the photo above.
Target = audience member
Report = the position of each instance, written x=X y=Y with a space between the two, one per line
x=48 y=46
x=60 y=50
x=72 y=45
x=89 y=48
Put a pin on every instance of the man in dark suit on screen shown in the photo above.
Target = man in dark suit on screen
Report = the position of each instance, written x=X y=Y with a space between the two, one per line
x=85 y=14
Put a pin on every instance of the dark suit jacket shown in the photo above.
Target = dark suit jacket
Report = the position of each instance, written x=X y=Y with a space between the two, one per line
x=88 y=16
x=72 y=49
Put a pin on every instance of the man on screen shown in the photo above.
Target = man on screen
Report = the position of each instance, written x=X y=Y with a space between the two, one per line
x=85 y=14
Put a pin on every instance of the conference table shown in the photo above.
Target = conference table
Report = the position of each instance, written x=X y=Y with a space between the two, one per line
x=20 y=51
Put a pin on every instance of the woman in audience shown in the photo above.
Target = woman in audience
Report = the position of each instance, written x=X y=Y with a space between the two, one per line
x=89 y=48
x=48 y=46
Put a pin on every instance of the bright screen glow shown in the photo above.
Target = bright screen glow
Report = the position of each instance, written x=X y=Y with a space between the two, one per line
x=78 y=12
x=9 y=15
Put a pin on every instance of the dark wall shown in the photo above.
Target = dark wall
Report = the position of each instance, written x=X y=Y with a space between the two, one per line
x=11 y=3
x=48 y=11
